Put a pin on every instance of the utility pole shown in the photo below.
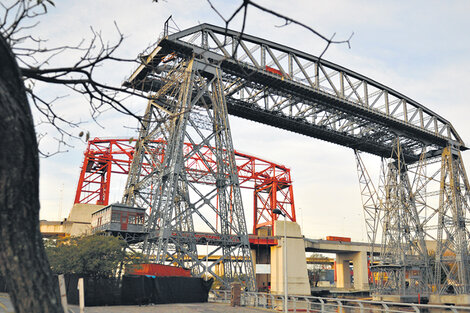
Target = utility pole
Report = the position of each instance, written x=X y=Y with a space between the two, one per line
x=277 y=211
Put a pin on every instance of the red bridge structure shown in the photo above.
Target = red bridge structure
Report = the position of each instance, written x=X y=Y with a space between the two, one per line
x=271 y=183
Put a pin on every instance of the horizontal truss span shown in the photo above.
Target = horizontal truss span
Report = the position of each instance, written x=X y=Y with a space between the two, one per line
x=201 y=238
x=271 y=183
x=290 y=89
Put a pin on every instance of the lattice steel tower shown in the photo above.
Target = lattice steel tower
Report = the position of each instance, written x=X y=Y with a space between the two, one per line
x=174 y=202
x=420 y=212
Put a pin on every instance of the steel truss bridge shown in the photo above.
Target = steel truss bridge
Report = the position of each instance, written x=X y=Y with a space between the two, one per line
x=196 y=77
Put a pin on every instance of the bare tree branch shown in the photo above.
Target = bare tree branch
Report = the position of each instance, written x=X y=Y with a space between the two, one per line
x=288 y=21
x=35 y=56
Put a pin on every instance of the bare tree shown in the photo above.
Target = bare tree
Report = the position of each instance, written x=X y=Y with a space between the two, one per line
x=24 y=60
x=246 y=4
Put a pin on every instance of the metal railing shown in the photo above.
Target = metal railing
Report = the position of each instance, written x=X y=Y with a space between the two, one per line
x=327 y=305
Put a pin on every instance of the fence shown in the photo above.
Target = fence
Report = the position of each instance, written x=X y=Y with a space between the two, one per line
x=328 y=305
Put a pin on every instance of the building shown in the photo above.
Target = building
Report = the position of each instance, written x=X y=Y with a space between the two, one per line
x=120 y=220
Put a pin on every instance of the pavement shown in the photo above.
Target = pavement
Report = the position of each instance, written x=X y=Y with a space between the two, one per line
x=5 y=304
x=6 y=307
x=177 y=308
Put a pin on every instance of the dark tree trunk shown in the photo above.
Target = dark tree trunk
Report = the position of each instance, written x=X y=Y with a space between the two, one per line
x=23 y=260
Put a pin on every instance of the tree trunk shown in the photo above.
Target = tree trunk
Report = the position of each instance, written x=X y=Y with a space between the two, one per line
x=23 y=260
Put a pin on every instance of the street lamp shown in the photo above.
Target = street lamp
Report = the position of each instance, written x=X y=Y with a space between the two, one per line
x=279 y=212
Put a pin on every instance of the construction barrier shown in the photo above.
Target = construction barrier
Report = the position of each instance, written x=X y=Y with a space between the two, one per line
x=145 y=290
x=138 y=290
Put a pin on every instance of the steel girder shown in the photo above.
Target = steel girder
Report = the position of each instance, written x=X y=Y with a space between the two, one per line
x=371 y=202
x=270 y=195
x=286 y=88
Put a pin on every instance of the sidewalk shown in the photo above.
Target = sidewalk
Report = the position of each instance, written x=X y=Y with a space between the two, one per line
x=5 y=304
x=6 y=307
x=167 y=308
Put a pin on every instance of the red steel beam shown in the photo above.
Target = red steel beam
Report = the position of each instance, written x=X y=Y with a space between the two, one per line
x=271 y=183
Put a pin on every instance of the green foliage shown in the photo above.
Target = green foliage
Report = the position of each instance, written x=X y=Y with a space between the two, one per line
x=94 y=255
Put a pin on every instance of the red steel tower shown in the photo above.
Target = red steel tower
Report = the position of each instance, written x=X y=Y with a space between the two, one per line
x=271 y=183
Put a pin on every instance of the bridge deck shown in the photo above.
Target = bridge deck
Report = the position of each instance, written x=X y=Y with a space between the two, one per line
x=290 y=89
x=328 y=246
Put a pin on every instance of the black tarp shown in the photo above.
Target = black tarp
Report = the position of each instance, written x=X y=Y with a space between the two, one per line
x=138 y=290
x=172 y=289
x=99 y=291
x=134 y=290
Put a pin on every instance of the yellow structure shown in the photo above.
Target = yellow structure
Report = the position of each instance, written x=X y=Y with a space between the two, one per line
x=297 y=276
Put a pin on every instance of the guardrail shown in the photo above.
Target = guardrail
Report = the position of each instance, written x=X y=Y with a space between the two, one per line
x=328 y=305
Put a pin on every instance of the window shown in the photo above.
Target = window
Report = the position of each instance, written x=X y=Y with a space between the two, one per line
x=116 y=217
x=139 y=219
x=131 y=219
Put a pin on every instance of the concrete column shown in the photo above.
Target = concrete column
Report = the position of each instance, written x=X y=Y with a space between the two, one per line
x=297 y=276
x=343 y=273
x=253 y=259
x=361 y=277
x=219 y=269
x=262 y=259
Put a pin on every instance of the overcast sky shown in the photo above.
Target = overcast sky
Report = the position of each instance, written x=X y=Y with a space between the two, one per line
x=418 y=48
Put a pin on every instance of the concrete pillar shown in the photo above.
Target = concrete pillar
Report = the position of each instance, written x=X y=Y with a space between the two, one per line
x=261 y=256
x=253 y=259
x=343 y=273
x=361 y=276
x=297 y=276
x=219 y=269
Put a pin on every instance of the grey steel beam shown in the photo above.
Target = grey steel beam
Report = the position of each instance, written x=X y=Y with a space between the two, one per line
x=300 y=54
x=369 y=109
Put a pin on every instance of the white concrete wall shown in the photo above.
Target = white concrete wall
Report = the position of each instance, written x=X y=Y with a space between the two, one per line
x=81 y=212
x=78 y=222
x=297 y=276
x=80 y=216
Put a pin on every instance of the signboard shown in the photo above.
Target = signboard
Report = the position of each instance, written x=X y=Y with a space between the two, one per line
x=263 y=268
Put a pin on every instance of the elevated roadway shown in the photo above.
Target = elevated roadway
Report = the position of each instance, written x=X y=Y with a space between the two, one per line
x=329 y=246
x=346 y=252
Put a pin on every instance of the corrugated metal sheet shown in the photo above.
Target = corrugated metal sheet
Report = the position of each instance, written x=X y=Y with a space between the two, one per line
x=157 y=270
